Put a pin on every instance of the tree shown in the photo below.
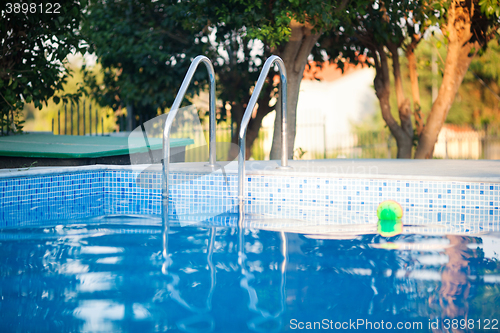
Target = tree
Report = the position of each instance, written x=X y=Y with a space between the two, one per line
x=144 y=48
x=384 y=30
x=481 y=87
x=468 y=28
x=290 y=29
x=36 y=37
x=145 y=58
x=237 y=71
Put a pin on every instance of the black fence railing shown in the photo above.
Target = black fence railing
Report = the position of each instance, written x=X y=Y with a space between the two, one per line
x=78 y=118
x=312 y=140
x=366 y=145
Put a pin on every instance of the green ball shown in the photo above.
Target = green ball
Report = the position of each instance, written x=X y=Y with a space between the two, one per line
x=389 y=210
x=389 y=228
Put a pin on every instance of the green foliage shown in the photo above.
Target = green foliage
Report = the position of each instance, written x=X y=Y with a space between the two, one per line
x=33 y=52
x=490 y=8
x=41 y=120
x=375 y=30
x=478 y=98
x=270 y=21
x=144 y=48
x=369 y=24
x=298 y=153
x=488 y=66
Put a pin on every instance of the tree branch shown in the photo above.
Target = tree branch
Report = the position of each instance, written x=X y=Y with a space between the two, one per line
x=296 y=37
x=181 y=39
x=381 y=83
x=6 y=101
x=305 y=49
x=412 y=64
x=342 y=6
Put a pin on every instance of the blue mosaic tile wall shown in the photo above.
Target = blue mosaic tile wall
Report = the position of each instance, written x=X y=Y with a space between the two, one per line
x=469 y=206
x=124 y=196
x=54 y=197
x=140 y=193
x=348 y=201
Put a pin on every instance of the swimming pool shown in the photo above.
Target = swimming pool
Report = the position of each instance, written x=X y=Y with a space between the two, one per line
x=314 y=192
x=109 y=275
x=82 y=249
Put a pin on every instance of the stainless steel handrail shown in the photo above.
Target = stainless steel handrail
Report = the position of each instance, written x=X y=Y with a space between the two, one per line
x=173 y=112
x=246 y=119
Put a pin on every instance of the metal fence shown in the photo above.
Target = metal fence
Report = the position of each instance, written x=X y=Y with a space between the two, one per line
x=363 y=145
x=312 y=140
x=78 y=119
x=370 y=144
x=465 y=143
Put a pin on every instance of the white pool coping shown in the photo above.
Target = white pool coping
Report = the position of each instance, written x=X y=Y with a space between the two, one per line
x=482 y=171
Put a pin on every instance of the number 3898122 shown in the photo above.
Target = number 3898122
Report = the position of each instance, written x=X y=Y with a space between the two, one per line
x=32 y=8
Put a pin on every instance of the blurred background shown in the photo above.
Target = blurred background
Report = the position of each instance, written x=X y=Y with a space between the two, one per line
x=124 y=61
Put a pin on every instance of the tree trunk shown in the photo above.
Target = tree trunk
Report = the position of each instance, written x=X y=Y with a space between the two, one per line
x=382 y=90
x=294 y=55
x=236 y=115
x=252 y=134
x=455 y=284
x=458 y=59
x=404 y=138
x=412 y=64
x=130 y=118
x=254 y=124
x=456 y=65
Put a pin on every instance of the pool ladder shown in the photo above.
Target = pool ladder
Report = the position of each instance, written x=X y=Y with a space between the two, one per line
x=173 y=112
x=246 y=119
x=243 y=128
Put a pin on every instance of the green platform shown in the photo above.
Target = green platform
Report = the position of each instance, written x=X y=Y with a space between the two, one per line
x=46 y=149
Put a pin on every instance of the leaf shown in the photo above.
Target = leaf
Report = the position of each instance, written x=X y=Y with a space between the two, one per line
x=56 y=99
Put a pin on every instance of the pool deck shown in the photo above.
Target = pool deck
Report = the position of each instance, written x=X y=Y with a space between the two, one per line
x=483 y=171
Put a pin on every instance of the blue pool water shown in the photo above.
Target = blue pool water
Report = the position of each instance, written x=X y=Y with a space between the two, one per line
x=119 y=275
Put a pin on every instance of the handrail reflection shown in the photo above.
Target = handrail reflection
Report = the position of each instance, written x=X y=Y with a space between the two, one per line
x=252 y=293
x=201 y=314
